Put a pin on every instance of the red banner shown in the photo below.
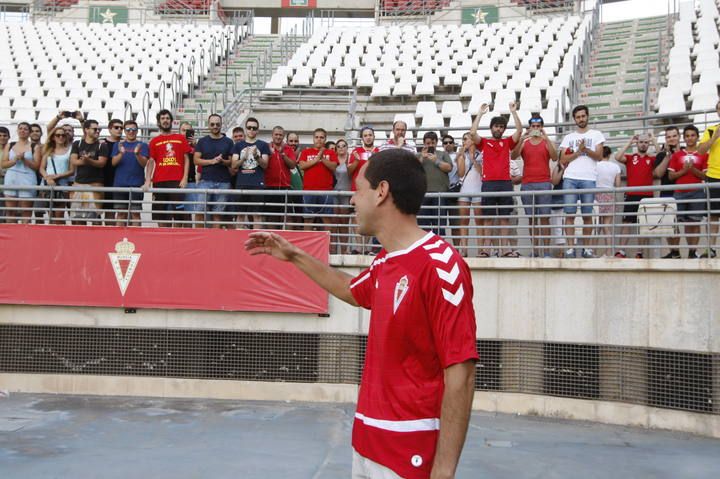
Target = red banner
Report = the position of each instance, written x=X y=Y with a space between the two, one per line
x=205 y=269
x=299 y=4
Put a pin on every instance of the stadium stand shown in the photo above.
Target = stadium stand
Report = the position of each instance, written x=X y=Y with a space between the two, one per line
x=66 y=66
x=532 y=61
x=693 y=56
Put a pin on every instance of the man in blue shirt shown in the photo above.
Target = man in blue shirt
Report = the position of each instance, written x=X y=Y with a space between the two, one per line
x=129 y=158
x=250 y=157
x=212 y=153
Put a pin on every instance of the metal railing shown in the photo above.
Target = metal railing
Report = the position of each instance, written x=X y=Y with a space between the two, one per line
x=548 y=223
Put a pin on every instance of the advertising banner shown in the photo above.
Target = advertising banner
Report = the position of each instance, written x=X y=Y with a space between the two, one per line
x=166 y=268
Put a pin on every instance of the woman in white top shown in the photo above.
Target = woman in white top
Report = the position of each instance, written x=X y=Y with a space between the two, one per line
x=21 y=167
x=56 y=169
x=342 y=183
x=469 y=164
x=608 y=177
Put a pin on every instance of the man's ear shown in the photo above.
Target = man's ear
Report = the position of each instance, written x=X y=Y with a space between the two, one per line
x=382 y=192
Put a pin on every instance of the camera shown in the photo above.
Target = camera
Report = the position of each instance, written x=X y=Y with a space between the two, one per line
x=535 y=133
x=190 y=134
x=431 y=149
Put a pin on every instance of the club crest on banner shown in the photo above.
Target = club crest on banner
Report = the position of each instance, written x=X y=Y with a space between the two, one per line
x=401 y=288
x=124 y=256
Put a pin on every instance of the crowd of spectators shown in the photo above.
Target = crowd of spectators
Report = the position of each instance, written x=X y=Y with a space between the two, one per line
x=484 y=171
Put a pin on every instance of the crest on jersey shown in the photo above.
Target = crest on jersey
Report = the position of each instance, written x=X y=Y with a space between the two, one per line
x=401 y=289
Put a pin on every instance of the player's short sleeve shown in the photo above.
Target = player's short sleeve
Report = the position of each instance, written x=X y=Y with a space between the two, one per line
x=448 y=291
x=362 y=288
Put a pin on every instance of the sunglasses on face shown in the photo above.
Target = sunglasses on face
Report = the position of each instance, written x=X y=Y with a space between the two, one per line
x=131 y=129
x=214 y=124
x=58 y=135
x=117 y=127
x=448 y=142
x=94 y=129
x=253 y=128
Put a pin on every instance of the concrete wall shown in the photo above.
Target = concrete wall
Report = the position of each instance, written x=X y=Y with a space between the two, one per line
x=642 y=303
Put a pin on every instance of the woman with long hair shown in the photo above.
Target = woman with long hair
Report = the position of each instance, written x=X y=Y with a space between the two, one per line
x=56 y=169
x=342 y=183
x=469 y=164
x=21 y=166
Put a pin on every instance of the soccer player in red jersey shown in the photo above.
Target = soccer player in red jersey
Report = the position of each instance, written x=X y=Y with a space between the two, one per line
x=418 y=380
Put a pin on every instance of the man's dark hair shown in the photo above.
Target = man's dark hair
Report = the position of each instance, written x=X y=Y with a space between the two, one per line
x=404 y=174
x=672 y=128
x=536 y=119
x=278 y=128
x=253 y=120
x=238 y=128
x=292 y=133
x=130 y=123
x=691 y=128
x=580 y=108
x=446 y=136
x=328 y=144
x=320 y=129
x=115 y=121
x=164 y=112
x=431 y=135
x=498 y=120
x=216 y=115
x=89 y=123
x=23 y=123
x=35 y=125
x=4 y=130
x=606 y=151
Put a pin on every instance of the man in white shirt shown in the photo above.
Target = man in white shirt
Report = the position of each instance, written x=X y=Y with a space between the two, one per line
x=579 y=153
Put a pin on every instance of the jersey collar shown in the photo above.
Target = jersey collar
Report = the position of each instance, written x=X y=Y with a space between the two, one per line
x=416 y=244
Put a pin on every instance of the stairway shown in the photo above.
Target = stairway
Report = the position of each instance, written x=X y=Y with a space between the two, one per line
x=197 y=108
x=615 y=84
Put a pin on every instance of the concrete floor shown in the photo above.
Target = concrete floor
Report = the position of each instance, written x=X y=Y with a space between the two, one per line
x=49 y=436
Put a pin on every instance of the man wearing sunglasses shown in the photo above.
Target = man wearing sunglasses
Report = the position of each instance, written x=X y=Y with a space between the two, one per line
x=250 y=157
x=115 y=127
x=129 y=159
x=85 y=156
x=212 y=153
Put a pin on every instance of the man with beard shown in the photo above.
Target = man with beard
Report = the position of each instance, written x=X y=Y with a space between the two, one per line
x=639 y=168
x=579 y=153
x=361 y=154
x=115 y=127
x=662 y=160
x=293 y=141
x=168 y=167
x=417 y=384
x=212 y=154
x=496 y=173
x=85 y=156
x=399 y=130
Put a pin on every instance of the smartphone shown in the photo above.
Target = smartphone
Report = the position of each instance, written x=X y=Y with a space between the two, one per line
x=190 y=134
x=431 y=149
x=535 y=133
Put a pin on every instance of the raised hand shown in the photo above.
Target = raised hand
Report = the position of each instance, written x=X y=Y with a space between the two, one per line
x=484 y=108
x=513 y=107
x=265 y=242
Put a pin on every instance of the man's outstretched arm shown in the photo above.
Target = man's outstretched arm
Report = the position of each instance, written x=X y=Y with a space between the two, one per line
x=454 y=418
x=332 y=280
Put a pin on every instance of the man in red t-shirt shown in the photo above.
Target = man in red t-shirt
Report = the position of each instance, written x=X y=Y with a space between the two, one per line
x=417 y=384
x=537 y=150
x=496 y=174
x=318 y=165
x=277 y=177
x=639 y=167
x=361 y=154
x=687 y=168
x=167 y=167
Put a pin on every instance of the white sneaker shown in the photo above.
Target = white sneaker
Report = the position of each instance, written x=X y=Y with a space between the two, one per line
x=570 y=253
x=588 y=253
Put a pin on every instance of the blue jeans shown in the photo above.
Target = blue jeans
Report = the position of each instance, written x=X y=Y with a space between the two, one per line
x=214 y=199
x=571 y=199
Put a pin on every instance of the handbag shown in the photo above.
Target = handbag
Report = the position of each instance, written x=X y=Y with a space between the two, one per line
x=457 y=186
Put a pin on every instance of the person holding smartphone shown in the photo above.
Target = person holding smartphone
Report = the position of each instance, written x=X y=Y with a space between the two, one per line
x=437 y=165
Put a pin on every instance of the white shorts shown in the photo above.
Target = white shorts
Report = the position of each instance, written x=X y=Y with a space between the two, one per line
x=364 y=468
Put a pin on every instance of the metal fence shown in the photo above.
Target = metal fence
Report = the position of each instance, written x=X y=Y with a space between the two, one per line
x=557 y=223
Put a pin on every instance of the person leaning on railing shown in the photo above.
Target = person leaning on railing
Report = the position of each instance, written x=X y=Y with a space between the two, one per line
x=129 y=157
x=709 y=144
x=686 y=168
x=56 y=170
x=4 y=139
x=21 y=165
